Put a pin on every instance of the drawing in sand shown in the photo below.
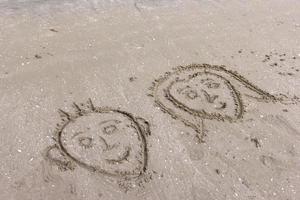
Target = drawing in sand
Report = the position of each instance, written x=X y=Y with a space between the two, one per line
x=197 y=92
x=102 y=140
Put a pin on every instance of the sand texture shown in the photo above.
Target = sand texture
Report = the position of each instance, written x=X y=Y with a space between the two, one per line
x=149 y=99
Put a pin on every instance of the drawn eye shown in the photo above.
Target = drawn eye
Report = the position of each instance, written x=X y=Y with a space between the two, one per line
x=212 y=85
x=109 y=129
x=191 y=94
x=86 y=142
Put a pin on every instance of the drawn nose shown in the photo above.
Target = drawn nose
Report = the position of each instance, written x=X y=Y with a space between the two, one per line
x=209 y=97
x=105 y=145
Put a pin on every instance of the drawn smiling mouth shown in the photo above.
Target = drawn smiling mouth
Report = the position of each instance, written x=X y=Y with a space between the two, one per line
x=121 y=158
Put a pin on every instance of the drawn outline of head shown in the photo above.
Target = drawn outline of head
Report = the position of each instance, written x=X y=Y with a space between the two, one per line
x=202 y=91
x=104 y=140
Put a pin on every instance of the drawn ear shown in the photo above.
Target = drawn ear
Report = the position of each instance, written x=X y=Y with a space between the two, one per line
x=145 y=126
x=54 y=156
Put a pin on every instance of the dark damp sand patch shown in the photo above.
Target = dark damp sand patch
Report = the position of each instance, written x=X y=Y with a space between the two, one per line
x=286 y=64
x=132 y=79
x=53 y=30
x=37 y=56
x=256 y=142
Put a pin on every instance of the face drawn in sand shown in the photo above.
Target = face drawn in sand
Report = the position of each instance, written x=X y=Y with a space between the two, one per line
x=197 y=92
x=206 y=95
x=102 y=140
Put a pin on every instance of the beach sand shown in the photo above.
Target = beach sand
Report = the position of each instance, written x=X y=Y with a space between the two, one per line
x=110 y=59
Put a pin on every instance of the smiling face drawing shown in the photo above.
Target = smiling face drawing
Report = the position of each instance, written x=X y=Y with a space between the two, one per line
x=206 y=95
x=102 y=140
x=108 y=142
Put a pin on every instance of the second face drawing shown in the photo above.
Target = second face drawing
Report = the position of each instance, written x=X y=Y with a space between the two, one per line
x=197 y=92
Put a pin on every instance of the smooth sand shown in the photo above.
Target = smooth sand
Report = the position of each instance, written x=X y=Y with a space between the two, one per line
x=55 y=53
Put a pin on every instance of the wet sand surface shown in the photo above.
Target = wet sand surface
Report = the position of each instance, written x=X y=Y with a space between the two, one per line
x=111 y=100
